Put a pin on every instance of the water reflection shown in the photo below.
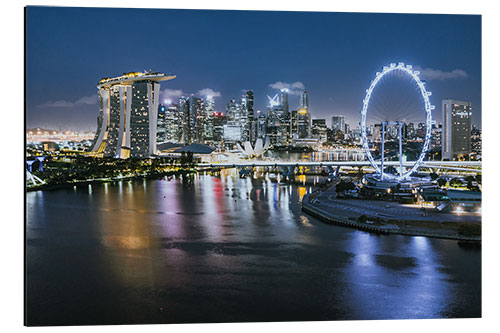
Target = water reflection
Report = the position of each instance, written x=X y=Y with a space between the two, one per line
x=400 y=273
x=227 y=249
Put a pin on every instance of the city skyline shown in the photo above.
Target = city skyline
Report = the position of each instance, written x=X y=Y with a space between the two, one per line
x=300 y=58
x=214 y=162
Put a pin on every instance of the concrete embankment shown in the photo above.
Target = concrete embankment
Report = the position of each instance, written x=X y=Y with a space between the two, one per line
x=329 y=218
x=309 y=207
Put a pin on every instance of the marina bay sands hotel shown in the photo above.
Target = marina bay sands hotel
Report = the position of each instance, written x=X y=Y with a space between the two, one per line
x=126 y=126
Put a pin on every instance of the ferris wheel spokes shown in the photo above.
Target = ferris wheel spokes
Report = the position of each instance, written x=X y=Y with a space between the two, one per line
x=400 y=125
x=414 y=75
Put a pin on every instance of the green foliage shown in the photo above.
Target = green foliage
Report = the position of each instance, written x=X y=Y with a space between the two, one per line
x=344 y=186
x=83 y=168
x=434 y=176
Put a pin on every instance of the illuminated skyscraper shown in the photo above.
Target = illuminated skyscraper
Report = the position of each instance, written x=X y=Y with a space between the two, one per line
x=161 y=124
x=191 y=115
x=319 y=129
x=456 y=133
x=284 y=99
x=304 y=100
x=235 y=122
x=197 y=115
x=173 y=123
x=232 y=110
x=249 y=106
x=303 y=123
x=476 y=142
x=242 y=119
x=184 y=113
x=126 y=126
x=219 y=120
x=261 y=125
x=278 y=125
x=338 y=123
x=294 y=123
x=208 y=121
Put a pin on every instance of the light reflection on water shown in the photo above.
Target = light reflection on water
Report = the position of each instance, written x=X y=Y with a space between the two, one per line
x=403 y=280
x=199 y=246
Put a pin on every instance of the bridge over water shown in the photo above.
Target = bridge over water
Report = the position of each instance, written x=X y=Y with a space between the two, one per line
x=471 y=166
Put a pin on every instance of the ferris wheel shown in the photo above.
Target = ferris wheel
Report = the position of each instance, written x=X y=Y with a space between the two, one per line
x=413 y=75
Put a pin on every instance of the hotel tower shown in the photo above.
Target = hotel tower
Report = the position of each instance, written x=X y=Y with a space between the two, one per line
x=456 y=132
x=126 y=126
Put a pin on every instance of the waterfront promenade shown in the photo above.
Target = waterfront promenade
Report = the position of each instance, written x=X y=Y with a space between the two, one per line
x=388 y=217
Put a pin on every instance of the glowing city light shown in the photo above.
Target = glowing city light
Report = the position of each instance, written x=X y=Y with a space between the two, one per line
x=273 y=101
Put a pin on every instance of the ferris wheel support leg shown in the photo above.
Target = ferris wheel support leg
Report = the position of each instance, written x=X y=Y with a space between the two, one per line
x=400 y=151
x=382 y=157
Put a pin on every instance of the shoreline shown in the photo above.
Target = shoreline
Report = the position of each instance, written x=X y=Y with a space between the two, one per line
x=397 y=228
x=48 y=187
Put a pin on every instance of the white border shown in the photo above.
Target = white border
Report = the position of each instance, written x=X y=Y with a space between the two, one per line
x=12 y=135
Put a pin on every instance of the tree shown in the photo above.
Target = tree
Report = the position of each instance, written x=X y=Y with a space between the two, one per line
x=189 y=158
x=434 y=176
x=360 y=173
x=183 y=158
x=363 y=218
x=455 y=182
x=441 y=182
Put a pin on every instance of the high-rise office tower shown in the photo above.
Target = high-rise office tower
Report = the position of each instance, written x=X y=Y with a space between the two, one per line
x=319 y=129
x=192 y=112
x=185 y=114
x=161 y=127
x=476 y=142
x=338 y=123
x=294 y=124
x=197 y=113
x=173 y=123
x=278 y=125
x=303 y=123
x=261 y=122
x=232 y=110
x=208 y=121
x=304 y=100
x=233 y=120
x=242 y=119
x=219 y=120
x=128 y=116
x=457 y=125
x=284 y=99
x=411 y=131
x=436 y=142
x=249 y=105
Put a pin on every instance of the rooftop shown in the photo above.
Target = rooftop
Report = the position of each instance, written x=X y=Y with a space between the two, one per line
x=196 y=148
x=129 y=78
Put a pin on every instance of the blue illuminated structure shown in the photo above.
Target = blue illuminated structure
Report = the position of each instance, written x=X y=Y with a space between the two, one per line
x=30 y=165
x=414 y=75
x=31 y=179
x=40 y=159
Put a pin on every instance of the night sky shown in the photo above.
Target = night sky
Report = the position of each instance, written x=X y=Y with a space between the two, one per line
x=333 y=55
